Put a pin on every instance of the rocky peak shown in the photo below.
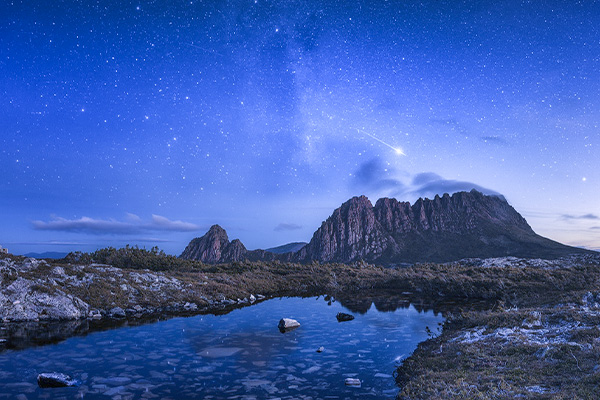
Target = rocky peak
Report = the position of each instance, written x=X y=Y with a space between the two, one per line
x=208 y=248
x=351 y=232
x=460 y=213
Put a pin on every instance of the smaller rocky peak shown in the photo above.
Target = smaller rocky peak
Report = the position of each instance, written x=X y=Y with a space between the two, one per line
x=235 y=251
x=238 y=245
x=217 y=231
x=207 y=248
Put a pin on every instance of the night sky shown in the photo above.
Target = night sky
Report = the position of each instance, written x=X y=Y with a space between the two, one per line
x=146 y=122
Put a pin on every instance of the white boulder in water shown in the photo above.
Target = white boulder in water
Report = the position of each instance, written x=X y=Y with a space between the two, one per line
x=286 y=324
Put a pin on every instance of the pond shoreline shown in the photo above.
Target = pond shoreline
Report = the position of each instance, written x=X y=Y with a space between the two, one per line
x=237 y=355
x=479 y=353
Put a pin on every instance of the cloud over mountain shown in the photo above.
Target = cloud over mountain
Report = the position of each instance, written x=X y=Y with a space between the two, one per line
x=375 y=176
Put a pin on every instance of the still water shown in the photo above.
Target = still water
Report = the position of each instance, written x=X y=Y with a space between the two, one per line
x=240 y=355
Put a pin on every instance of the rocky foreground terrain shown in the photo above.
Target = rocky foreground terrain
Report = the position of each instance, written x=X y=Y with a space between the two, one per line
x=37 y=290
x=537 y=338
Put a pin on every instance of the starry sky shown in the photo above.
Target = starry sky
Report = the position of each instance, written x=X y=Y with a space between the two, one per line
x=145 y=122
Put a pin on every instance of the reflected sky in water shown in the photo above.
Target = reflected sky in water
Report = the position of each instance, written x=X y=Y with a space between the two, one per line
x=240 y=355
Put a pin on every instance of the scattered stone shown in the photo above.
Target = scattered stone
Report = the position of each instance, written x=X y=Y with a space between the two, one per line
x=321 y=349
x=115 y=381
x=534 y=320
x=312 y=369
x=54 y=380
x=287 y=324
x=114 y=391
x=341 y=317
x=218 y=352
x=117 y=312
x=352 y=382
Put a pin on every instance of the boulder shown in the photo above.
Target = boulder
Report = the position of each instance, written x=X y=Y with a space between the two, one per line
x=54 y=380
x=287 y=324
x=352 y=382
x=117 y=312
x=341 y=317
x=321 y=349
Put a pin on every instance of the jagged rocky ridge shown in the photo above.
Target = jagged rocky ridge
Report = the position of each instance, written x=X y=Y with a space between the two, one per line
x=446 y=228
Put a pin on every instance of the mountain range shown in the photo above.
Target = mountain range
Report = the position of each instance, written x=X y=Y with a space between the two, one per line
x=443 y=229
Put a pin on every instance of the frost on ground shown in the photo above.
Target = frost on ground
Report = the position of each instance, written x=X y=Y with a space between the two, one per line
x=551 y=352
x=515 y=262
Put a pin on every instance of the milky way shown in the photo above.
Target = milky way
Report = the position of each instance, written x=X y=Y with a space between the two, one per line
x=146 y=122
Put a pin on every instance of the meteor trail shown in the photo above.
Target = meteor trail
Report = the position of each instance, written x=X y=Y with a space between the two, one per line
x=398 y=150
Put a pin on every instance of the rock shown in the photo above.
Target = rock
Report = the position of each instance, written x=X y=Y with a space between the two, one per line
x=352 y=382
x=534 y=320
x=117 y=312
x=442 y=229
x=138 y=308
x=214 y=247
x=23 y=300
x=190 y=306
x=287 y=324
x=321 y=349
x=252 y=298
x=341 y=317
x=55 y=379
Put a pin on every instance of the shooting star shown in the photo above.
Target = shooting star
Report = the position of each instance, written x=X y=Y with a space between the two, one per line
x=204 y=49
x=397 y=150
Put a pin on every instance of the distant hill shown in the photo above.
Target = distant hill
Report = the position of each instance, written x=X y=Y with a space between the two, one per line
x=48 y=254
x=446 y=228
x=287 y=248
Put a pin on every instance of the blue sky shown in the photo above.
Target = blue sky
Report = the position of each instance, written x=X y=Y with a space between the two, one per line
x=146 y=122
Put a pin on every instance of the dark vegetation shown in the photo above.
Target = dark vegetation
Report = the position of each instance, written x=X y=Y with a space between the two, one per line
x=511 y=285
x=133 y=257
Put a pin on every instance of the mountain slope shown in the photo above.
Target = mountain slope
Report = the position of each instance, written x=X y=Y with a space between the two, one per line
x=287 y=248
x=446 y=228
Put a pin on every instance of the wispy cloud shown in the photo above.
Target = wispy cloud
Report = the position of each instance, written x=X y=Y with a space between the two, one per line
x=132 y=224
x=287 y=227
x=584 y=216
x=374 y=177
x=430 y=184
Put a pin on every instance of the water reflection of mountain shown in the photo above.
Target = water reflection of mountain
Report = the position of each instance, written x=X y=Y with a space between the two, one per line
x=28 y=334
x=390 y=302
